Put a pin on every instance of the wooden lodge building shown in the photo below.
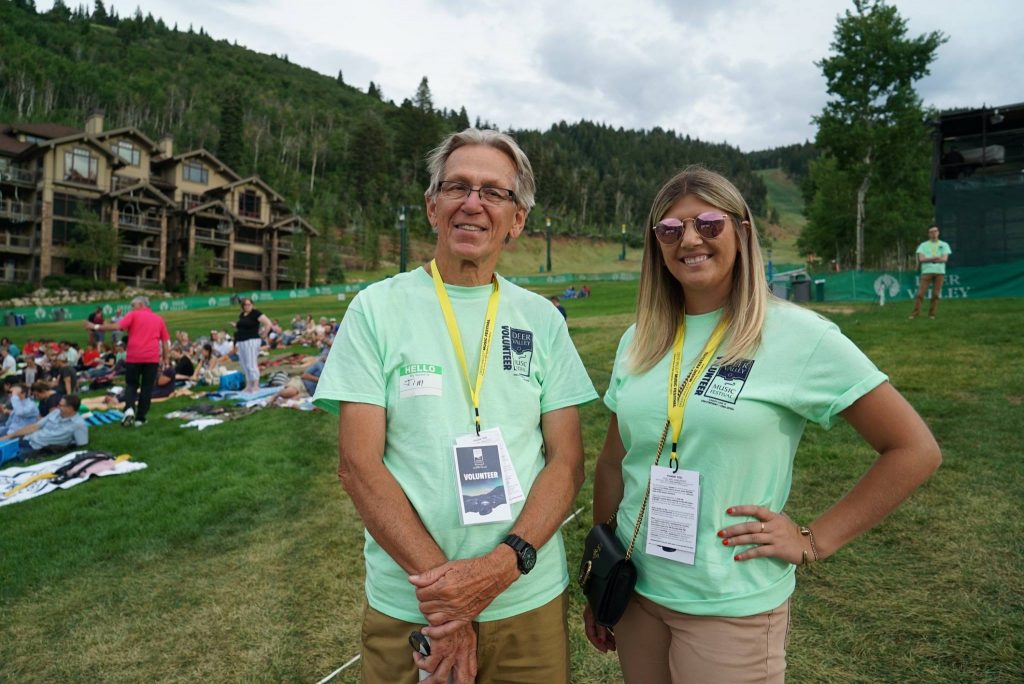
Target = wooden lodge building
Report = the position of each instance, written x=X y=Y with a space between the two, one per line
x=163 y=205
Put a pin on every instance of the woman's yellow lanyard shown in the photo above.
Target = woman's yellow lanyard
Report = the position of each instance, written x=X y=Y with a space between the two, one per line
x=678 y=393
x=453 y=333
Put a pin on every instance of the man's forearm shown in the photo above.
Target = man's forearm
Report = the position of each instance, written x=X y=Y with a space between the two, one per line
x=390 y=518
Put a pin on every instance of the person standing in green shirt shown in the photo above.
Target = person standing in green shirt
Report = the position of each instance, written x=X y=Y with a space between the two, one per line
x=459 y=439
x=932 y=254
x=724 y=377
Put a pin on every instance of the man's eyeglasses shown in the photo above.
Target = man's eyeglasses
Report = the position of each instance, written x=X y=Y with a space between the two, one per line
x=457 y=190
x=708 y=225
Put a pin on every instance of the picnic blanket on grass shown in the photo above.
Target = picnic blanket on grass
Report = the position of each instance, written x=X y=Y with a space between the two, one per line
x=27 y=482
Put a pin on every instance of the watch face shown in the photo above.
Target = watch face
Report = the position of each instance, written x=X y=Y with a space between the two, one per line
x=529 y=558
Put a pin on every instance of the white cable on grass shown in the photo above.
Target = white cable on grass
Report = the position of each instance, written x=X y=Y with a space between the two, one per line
x=571 y=516
x=335 y=673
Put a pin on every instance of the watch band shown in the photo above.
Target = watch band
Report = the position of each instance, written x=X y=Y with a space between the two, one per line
x=526 y=555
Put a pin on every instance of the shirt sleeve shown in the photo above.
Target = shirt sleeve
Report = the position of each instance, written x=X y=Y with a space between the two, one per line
x=81 y=433
x=354 y=370
x=126 y=321
x=565 y=381
x=611 y=395
x=835 y=375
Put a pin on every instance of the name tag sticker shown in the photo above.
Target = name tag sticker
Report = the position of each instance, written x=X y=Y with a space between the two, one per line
x=419 y=380
x=481 y=484
x=672 y=514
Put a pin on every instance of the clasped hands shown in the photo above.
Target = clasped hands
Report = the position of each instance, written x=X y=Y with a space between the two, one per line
x=451 y=597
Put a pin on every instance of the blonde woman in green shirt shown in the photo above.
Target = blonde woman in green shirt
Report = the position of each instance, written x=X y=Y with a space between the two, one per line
x=716 y=555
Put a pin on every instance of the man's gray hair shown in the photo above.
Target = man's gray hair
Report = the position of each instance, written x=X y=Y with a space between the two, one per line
x=140 y=300
x=525 y=185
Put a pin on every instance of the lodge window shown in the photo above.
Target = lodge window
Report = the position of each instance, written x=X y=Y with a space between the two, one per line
x=249 y=204
x=248 y=262
x=80 y=166
x=195 y=172
x=189 y=200
x=62 y=231
x=128 y=152
x=71 y=207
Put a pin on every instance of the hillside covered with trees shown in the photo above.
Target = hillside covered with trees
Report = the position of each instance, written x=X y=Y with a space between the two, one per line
x=345 y=159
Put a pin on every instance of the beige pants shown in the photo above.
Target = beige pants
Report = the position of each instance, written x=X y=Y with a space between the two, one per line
x=529 y=648
x=657 y=645
x=935 y=281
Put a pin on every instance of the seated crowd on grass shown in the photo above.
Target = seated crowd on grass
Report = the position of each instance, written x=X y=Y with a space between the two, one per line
x=41 y=376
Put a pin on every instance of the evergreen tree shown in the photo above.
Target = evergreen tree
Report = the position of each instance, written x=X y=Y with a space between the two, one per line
x=373 y=91
x=341 y=78
x=423 y=100
x=462 y=120
x=231 y=148
x=99 y=13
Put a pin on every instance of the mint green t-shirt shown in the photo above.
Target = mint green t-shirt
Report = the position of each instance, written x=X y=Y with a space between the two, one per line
x=742 y=426
x=394 y=330
x=931 y=250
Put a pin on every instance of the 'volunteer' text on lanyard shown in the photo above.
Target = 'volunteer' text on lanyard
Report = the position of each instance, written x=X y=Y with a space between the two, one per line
x=453 y=333
x=678 y=393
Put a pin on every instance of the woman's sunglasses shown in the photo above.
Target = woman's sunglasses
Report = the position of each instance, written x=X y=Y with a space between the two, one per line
x=708 y=225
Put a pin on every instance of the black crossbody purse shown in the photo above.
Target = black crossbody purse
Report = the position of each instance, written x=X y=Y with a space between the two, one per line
x=607 y=575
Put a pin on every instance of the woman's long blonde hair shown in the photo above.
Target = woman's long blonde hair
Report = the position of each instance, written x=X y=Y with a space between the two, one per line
x=660 y=300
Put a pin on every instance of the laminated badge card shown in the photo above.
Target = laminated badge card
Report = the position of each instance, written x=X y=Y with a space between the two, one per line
x=481 y=485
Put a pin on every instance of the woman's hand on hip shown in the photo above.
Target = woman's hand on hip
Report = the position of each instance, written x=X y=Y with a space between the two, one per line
x=769 y=535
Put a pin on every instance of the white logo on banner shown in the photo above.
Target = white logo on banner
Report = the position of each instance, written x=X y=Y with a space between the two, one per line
x=40 y=312
x=212 y=301
x=164 y=306
x=887 y=283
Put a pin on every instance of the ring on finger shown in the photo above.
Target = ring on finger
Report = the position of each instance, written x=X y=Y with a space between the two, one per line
x=762 y=528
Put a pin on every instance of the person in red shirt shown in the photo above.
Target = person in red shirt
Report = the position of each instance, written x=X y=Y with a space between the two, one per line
x=91 y=355
x=148 y=349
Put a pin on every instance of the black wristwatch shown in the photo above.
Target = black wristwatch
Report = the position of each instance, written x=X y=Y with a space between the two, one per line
x=526 y=555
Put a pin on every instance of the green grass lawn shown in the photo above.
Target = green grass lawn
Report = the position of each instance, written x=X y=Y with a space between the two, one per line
x=235 y=556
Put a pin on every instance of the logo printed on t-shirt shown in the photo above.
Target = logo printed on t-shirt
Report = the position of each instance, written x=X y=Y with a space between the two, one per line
x=516 y=351
x=722 y=385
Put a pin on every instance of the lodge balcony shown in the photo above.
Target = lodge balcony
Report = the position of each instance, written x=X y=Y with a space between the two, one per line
x=16 y=211
x=139 y=223
x=15 y=243
x=211 y=236
x=16 y=176
x=139 y=254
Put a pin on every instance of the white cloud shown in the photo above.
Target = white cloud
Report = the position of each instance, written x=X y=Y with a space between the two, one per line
x=727 y=71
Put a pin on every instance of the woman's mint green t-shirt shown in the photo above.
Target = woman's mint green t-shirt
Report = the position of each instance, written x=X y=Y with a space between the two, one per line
x=395 y=329
x=742 y=427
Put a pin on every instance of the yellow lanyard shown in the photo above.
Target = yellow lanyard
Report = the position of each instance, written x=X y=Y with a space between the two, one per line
x=678 y=393
x=453 y=333
x=935 y=249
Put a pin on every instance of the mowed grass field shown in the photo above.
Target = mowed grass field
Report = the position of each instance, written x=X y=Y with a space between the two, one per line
x=236 y=557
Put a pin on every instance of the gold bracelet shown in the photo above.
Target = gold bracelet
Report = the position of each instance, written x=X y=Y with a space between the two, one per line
x=809 y=533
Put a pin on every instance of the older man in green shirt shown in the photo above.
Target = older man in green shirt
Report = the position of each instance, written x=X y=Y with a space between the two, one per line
x=932 y=254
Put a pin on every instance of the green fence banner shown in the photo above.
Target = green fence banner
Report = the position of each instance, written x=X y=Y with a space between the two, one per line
x=997 y=280
x=965 y=282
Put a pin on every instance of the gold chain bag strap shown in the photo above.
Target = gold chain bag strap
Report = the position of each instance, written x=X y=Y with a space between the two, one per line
x=607 y=575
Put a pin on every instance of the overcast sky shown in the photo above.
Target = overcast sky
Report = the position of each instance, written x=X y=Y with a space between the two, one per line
x=722 y=71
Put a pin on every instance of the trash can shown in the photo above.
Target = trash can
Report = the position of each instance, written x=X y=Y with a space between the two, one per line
x=819 y=290
x=801 y=288
x=19 y=319
x=58 y=314
x=10 y=320
x=780 y=290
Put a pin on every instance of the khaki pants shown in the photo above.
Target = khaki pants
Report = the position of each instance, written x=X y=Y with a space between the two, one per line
x=935 y=281
x=528 y=648
x=657 y=645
